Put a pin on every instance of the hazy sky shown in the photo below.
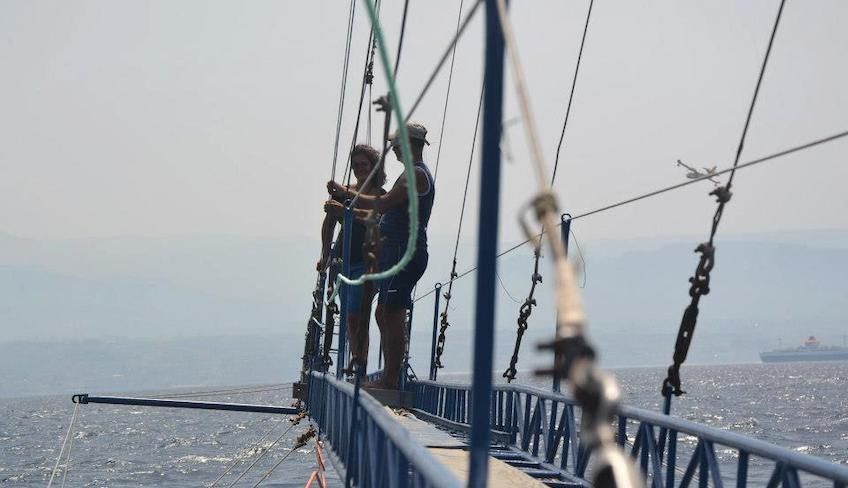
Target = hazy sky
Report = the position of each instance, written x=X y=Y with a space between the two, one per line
x=171 y=117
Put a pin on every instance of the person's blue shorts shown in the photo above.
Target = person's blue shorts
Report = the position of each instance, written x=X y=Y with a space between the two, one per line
x=396 y=291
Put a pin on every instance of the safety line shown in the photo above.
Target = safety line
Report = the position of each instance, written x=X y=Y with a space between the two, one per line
x=447 y=95
x=770 y=157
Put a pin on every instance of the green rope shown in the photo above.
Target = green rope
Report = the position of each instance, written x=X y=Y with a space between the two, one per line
x=406 y=157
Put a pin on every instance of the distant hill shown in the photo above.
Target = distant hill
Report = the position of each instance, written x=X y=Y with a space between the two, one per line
x=36 y=304
x=173 y=291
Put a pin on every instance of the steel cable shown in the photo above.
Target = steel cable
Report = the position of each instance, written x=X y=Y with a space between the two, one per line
x=236 y=461
x=571 y=94
x=367 y=79
x=447 y=95
x=345 y=68
x=526 y=309
x=700 y=280
x=654 y=193
x=64 y=443
x=444 y=323
x=268 y=449
x=443 y=59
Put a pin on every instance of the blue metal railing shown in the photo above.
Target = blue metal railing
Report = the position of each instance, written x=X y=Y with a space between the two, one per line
x=546 y=425
x=379 y=453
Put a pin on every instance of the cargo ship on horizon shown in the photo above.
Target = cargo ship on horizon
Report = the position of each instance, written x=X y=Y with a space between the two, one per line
x=811 y=350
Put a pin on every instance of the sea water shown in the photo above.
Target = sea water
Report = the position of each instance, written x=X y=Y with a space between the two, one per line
x=801 y=406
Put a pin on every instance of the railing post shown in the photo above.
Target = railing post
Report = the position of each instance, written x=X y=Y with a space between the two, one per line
x=565 y=230
x=346 y=237
x=484 y=313
x=438 y=293
x=404 y=377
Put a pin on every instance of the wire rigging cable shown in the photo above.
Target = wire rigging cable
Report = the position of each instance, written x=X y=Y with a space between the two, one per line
x=596 y=392
x=266 y=451
x=443 y=59
x=444 y=323
x=400 y=39
x=345 y=67
x=526 y=309
x=232 y=391
x=447 y=94
x=700 y=281
x=770 y=157
x=367 y=80
x=571 y=94
x=68 y=436
x=253 y=447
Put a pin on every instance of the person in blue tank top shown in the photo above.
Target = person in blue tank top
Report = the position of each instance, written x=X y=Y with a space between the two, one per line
x=395 y=295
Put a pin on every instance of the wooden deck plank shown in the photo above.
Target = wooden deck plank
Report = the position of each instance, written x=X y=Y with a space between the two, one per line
x=425 y=433
x=500 y=473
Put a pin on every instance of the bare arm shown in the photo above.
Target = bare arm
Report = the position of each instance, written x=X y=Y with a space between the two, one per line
x=396 y=197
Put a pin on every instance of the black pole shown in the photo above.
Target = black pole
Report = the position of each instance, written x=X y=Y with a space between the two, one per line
x=84 y=398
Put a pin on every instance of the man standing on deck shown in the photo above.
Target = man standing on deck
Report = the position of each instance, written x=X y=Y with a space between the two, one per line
x=395 y=296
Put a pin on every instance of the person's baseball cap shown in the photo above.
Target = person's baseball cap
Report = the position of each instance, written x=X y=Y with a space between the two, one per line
x=415 y=131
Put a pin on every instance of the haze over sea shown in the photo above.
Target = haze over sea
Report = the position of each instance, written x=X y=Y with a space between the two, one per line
x=800 y=406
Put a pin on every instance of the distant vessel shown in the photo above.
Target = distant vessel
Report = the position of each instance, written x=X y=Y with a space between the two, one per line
x=811 y=350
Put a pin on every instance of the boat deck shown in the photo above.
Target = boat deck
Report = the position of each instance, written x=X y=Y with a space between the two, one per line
x=507 y=468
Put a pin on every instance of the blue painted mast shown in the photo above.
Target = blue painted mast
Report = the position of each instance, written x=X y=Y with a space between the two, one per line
x=484 y=311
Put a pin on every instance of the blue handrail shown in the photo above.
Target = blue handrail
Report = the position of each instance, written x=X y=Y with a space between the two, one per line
x=381 y=453
x=545 y=425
